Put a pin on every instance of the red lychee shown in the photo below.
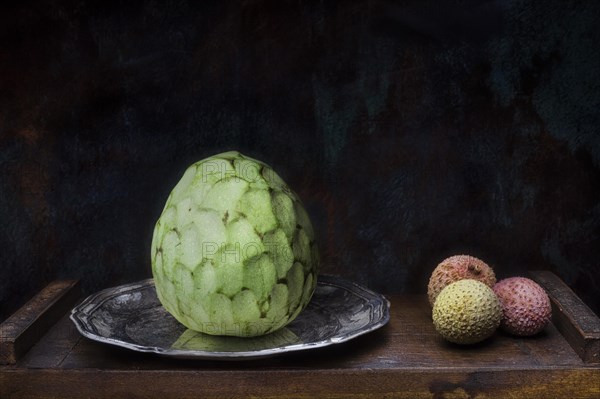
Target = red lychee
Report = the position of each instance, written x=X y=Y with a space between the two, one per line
x=458 y=267
x=525 y=306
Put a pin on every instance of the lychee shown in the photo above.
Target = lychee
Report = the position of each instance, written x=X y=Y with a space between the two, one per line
x=455 y=268
x=525 y=306
x=466 y=312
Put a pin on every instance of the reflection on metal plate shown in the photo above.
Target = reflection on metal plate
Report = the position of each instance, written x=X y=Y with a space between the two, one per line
x=131 y=316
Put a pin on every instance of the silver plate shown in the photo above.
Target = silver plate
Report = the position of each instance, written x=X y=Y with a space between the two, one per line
x=131 y=316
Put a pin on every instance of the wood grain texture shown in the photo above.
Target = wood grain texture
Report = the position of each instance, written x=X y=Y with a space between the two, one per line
x=393 y=383
x=404 y=359
x=24 y=328
x=573 y=318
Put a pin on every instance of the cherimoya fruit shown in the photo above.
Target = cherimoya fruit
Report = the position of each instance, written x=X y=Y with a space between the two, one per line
x=233 y=252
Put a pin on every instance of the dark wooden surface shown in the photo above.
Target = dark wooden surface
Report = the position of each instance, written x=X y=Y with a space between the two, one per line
x=406 y=358
x=24 y=328
x=573 y=318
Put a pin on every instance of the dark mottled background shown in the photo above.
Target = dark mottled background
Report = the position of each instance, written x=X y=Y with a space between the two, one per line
x=412 y=130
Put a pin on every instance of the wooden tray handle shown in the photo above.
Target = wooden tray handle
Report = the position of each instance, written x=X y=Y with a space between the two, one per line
x=573 y=318
x=27 y=325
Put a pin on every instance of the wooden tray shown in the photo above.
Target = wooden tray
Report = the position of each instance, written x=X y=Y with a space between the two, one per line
x=44 y=356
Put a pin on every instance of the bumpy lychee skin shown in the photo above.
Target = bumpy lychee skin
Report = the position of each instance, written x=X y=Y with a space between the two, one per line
x=455 y=268
x=525 y=306
x=466 y=312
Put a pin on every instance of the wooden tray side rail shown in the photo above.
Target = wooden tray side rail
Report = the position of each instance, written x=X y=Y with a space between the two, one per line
x=24 y=328
x=573 y=318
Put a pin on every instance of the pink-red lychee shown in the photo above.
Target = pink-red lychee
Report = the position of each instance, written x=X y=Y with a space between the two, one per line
x=525 y=306
x=458 y=267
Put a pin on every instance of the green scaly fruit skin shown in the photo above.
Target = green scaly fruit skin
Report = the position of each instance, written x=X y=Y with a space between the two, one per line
x=233 y=252
x=466 y=312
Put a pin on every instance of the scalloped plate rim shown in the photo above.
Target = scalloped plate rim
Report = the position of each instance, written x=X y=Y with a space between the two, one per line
x=80 y=313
